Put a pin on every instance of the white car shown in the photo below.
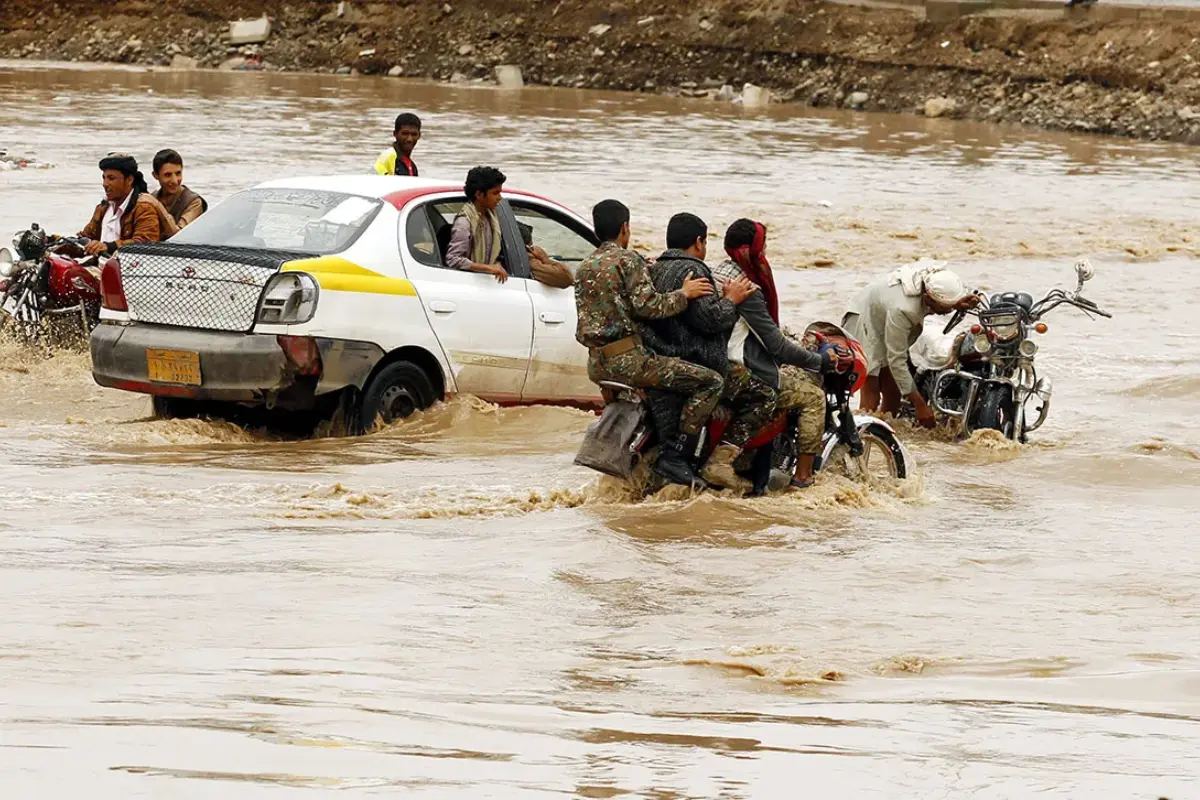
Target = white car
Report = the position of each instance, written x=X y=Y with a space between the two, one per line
x=332 y=292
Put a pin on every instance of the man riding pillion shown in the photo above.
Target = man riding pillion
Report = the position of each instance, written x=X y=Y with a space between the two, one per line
x=888 y=317
x=612 y=292
x=184 y=205
x=760 y=345
x=129 y=214
x=701 y=335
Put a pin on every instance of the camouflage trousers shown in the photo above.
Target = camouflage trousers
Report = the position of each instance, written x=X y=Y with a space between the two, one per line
x=693 y=389
x=751 y=401
x=801 y=390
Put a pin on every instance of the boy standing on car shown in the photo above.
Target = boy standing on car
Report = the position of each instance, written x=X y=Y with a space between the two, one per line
x=612 y=292
x=397 y=159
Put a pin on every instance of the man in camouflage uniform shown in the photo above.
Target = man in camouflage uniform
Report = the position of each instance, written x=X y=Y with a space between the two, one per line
x=612 y=292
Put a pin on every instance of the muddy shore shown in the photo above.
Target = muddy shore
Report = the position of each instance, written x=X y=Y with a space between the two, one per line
x=1136 y=76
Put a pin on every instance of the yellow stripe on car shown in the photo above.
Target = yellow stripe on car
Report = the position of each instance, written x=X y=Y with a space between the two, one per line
x=339 y=275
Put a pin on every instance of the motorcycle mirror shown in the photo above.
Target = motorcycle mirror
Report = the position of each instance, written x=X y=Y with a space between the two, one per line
x=1085 y=270
x=7 y=260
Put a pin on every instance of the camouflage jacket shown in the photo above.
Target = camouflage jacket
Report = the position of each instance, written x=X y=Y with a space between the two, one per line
x=612 y=291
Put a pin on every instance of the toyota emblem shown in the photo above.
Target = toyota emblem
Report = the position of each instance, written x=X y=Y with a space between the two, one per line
x=189 y=272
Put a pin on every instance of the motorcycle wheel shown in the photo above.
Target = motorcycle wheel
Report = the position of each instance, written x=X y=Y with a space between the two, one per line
x=997 y=411
x=882 y=458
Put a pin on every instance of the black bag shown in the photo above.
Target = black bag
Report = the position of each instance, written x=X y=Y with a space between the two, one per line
x=608 y=444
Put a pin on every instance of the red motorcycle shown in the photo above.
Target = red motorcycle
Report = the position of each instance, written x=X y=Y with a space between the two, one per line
x=49 y=288
x=859 y=446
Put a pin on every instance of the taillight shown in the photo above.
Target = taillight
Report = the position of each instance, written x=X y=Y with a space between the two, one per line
x=302 y=352
x=112 y=291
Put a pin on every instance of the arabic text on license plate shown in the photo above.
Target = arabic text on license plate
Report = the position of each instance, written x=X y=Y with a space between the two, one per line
x=174 y=366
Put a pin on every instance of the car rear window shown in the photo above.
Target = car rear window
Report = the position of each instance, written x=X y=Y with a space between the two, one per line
x=299 y=220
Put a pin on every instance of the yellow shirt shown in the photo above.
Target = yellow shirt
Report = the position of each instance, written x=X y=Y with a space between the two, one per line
x=387 y=161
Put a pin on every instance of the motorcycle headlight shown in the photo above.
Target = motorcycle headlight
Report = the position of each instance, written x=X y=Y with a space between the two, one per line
x=1005 y=325
x=289 y=298
x=1028 y=348
x=8 y=262
x=982 y=343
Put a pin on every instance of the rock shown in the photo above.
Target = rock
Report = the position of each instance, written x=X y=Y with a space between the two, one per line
x=1026 y=98
x=939 y=107
x=459 y=77
x=705 y=25
x=598 y=53
x=231 y=63
x=857 y=99
x=688 y=85
x=466 y=50
x=509 y=76
x=712 y=83
x=755 y=95
x=599 y=30
x=173 y=49
x=366 y=53
x=726 y=93
x=342 y=71
x=447 y=9
x=184 y=62
x=1187 y=113
x=396 y=71
x=644 y=21
x=250 y=31
x=649 y=84
x=1080 y=90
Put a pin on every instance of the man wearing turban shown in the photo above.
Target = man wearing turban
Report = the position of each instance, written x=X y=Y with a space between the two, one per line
x=129 y=213
x=887 y=318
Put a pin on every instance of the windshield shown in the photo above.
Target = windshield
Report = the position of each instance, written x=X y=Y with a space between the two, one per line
x=301 y=220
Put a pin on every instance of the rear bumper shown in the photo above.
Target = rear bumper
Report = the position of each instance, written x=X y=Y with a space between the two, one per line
x=234 y=367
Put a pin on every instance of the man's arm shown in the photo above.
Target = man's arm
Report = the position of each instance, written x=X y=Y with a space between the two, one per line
x=458 y=254
x=647 y=302
x=92 y=229
x=782 y=349
x=712 y=314
x=551 y=273
x=896 y=333
x=189 y=215
x=386 y=163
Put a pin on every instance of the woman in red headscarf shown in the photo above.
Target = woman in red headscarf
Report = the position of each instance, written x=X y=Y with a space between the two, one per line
x=759 y=344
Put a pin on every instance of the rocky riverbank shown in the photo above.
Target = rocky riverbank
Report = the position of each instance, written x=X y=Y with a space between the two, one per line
x=1137 y=77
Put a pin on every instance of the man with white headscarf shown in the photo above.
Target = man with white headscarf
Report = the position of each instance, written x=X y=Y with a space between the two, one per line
x=887 y=318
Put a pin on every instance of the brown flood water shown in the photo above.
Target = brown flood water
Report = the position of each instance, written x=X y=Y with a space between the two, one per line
x=449 y=608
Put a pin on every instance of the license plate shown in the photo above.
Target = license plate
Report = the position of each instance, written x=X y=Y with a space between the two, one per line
x=174 y=366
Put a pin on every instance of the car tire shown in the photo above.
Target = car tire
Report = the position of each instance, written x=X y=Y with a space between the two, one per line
x=397 y=391
x=175 y=408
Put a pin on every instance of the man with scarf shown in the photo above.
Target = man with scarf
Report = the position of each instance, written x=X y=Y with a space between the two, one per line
x=475 y=238
x=887 y=318
x=760 y=345
x=701 y=335
x=129 y=213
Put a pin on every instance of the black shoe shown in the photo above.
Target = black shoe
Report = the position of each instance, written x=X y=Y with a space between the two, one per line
x=673 y=465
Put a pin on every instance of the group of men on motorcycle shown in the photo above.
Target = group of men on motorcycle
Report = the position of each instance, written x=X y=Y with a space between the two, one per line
x=694 y=338
x=130 y=213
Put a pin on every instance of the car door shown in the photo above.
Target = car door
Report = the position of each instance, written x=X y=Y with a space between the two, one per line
x=485 y=328
x=558 y=366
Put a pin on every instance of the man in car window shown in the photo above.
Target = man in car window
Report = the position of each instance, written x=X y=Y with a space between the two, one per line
x=612 y=292
x=475 y=239
x=397 y=159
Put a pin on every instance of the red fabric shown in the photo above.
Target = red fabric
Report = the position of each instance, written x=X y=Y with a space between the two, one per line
x=408 y=164
x=753 y=262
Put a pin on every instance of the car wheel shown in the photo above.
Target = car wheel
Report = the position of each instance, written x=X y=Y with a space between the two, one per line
x=398 y=391
x=174 y=408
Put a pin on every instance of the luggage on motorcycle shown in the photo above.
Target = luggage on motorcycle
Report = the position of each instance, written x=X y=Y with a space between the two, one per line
x=608 y=444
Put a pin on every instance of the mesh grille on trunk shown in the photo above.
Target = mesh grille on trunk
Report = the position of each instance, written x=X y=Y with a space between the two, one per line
x=196 y=286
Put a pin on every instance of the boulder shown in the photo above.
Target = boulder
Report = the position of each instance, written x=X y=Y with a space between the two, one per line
x=250 y=31
x=466 y=50
x=184 y=62
x=755 y=95
x=857 y=100
x=396 y=71
x=599 y=30
x=509 y=76
x=940 y=107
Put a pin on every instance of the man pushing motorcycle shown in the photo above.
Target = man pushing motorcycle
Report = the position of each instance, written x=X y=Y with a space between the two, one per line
x=887 y=318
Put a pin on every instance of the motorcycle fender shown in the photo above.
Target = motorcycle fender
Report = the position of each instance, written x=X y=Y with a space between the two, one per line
x=860 y=421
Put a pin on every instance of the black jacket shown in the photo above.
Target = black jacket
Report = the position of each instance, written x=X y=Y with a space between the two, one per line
x=701 y=333
x=767 y=347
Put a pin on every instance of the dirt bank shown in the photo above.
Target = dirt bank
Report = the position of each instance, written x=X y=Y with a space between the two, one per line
x=1135 y=77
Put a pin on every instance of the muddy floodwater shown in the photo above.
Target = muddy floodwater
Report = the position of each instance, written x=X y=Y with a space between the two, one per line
x=450 y=608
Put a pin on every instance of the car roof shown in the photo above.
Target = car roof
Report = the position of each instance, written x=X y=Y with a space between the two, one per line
x=398 y=190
